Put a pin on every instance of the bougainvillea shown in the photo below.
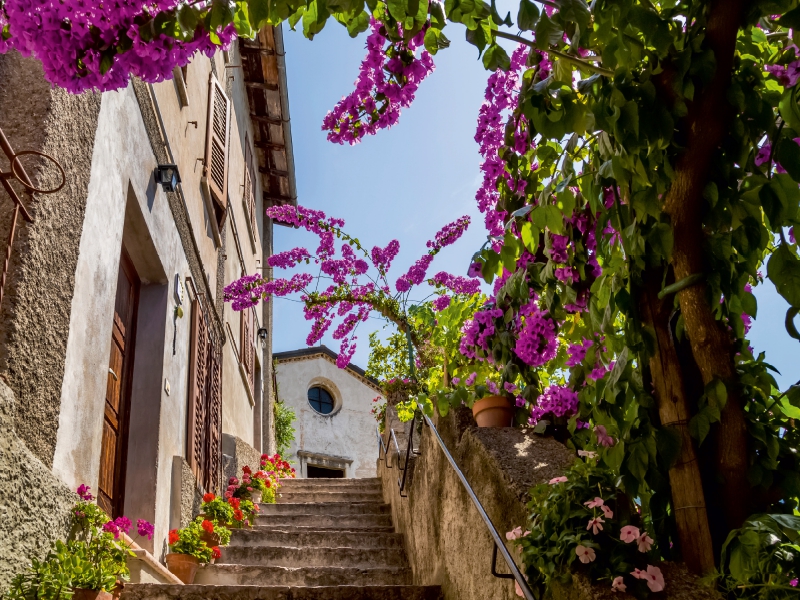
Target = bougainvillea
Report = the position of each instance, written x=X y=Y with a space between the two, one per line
x=360 y=279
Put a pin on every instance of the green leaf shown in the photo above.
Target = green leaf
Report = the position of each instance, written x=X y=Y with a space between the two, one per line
x=574 y=10
x=259 y=12
x=477 y=38
x=359 y=24
x=791 y=19
x=397 y=8
x=637 y=460
x=790 y=327
x=437 y=16
x=613 y=456
x=495 y=58
x=530 y=236
x=699 y=426
x=314 y=18
x=784 y=271
x=527 y=15
x=548 y=32
x=787 y=154
x=789 y=110
x=188 y=18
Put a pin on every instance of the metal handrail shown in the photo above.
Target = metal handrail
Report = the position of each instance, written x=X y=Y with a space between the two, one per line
x=498 y=541
x=382 y=446
x=397 y=448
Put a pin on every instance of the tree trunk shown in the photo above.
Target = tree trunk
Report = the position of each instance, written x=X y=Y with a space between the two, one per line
x=706 y=124
x=688 y=499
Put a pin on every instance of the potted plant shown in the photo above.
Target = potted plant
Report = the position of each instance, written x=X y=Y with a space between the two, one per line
x=89 y=565
x=188 y=550
x=214 y=533
x=216 y=509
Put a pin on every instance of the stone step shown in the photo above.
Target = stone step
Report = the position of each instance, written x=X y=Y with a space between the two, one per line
x=330 y=484
x=315 y=556
x=288 y=496
x=154 y=591
x=322 y=521
x=301 y=576
x=304 y=538
x=326 y=508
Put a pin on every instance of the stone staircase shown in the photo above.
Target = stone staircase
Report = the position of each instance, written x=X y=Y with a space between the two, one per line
x=325 y=539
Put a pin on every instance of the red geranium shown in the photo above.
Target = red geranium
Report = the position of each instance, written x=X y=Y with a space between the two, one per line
x=216 y=552
x=237 y=514
x=246 y=469
x=173 y=537
x=234 y=502
x=269 y=483
x=209 y=497
x=208 y=526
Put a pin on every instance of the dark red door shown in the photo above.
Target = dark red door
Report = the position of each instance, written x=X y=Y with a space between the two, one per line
x=117 y=405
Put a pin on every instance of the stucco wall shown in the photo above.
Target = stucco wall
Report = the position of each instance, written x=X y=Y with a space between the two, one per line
x=349 y=432
x=34 y=504
x=35 y=318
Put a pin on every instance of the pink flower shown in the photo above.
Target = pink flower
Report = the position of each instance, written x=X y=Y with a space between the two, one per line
x=514 y=533
x=145 y=529
x=602 y=436
x=793 y=582
x=653 y=577
x=629 y=534
x=617 y=585
x=594 y=503
x=645 y=542
x=556 y=480
x=113 y=528
x=83 y=492
x=609 y=514
x=585 y=555
x=595 y=525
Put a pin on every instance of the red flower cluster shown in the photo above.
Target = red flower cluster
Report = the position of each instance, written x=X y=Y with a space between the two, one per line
x=173 y=537
x=216 y=552
x=237 y=514
x=208 y=526
x=209 y=497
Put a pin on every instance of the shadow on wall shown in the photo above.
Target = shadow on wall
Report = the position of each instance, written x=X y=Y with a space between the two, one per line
x=34 y=504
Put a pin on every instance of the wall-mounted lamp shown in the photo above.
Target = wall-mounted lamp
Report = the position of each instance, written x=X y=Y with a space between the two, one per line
x=168 y=177
x=262 y=337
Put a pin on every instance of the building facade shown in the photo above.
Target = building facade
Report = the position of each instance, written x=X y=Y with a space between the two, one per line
x=124 y=368
x=335 y=427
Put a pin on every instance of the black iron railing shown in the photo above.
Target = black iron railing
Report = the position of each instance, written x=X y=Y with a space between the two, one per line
x=499 y=546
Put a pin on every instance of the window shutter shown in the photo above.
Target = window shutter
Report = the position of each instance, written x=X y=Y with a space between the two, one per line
x=249 y=196
x=214 y=423
x=198 y=382
x=247 y=351
x=215 y=168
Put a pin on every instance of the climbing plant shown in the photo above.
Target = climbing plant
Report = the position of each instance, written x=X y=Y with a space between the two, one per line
x=641 y=169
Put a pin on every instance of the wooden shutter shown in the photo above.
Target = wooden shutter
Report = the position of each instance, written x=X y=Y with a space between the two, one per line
x=215 y=168
x=214 y=422
x=249 y=196
x=247 y=351
x=198 y=384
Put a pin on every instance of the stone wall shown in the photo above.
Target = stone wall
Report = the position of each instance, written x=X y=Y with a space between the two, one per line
x=34 y=504
x=236 y=453
x=447 y=542
x=35 y=316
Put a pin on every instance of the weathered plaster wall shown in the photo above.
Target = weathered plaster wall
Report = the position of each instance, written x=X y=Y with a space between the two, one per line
x=123 y=201
x=34 y=504
x=446 y=540
x=348 y=432
x=35 y=318
x=236 y=454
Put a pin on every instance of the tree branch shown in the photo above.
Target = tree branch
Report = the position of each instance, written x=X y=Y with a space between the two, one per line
x=582 y=63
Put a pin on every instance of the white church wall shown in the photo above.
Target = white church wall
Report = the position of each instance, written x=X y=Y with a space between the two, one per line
x=343 y=439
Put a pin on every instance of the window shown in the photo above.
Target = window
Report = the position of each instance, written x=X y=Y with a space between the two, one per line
x=320 y=400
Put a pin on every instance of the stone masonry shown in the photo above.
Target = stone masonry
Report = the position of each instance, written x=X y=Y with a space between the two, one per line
x=325 y=539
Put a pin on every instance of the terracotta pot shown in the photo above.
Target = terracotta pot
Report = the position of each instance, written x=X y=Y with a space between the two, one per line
x=182 y=566
x=84 y=594
x=255 y=496
x=493 y=411
x=211 y=539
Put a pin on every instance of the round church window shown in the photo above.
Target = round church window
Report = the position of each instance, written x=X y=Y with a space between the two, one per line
x=320 y=400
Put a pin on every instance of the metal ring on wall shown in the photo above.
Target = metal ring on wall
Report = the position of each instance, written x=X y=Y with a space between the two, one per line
x=31 y=188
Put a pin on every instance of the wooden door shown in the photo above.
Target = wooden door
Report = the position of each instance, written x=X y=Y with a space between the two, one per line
x=117 y=405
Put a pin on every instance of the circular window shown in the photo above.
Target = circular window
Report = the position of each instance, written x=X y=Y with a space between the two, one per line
x=320 y=400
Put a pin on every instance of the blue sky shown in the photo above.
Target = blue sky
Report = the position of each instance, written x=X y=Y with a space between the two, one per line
x=407 y=182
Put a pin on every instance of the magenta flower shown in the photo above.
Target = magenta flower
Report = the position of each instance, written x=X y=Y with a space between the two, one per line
x=602 y=436
x=83 y=492
x=123 y=523
x=113 y=528
x=145 y=529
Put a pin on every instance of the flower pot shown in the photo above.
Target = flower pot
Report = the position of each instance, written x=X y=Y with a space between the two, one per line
x=255 y=496
x=182 y=566
x=211 y=539
x=84 y=594
x=493 y=411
